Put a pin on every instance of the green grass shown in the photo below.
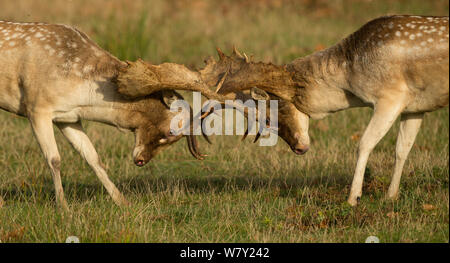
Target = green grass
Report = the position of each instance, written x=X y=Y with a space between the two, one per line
x=241 y=192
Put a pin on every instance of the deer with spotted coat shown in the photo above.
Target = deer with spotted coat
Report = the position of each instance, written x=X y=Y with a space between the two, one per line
x=54 y=74
x=397 y=65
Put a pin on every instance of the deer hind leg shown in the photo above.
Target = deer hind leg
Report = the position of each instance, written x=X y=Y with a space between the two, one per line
x=385 y=113
x=409 y=127
x=42 y=126
x=80 y=141
x=2 y=202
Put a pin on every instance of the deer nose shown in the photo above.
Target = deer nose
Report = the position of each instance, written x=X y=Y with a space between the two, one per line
x=300 y=149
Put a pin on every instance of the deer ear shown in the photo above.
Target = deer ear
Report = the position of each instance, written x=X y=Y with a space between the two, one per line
x=259 y=94
x=169 y=96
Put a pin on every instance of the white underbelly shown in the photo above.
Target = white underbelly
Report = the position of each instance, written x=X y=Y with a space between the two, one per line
x=431 y=98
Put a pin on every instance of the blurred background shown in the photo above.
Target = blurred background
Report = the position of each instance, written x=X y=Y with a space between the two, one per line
x=186 y=31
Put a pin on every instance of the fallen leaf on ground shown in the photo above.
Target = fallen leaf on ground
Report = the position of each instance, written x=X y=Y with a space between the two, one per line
x=355 y=137
x=392 y=214
x=428 y=207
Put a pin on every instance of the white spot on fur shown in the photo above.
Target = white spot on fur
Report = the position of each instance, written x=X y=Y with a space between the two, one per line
x=77 y=73
x=398 y=33
x=87 y=69
x=412 y=37
x=38 y=35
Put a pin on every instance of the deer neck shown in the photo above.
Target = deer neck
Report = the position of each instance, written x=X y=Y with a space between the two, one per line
x=105 y=104
x=321 y=82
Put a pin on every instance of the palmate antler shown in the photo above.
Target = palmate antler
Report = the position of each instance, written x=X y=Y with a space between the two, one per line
x=229 y=65
x=230 y=75
x=140 y=78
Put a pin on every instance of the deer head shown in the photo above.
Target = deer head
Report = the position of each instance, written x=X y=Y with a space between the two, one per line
x=152 y=126
x=237 y=77
x=153 y=86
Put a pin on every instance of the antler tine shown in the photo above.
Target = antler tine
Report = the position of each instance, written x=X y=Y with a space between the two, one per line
x=219 y=86
x=220 y=53
x=257 y=136
x=246 y=58
x=202 y=118
x=193 y=148
x=206 y=137
x=245 y=134
x=237 y=53
x=207 y=113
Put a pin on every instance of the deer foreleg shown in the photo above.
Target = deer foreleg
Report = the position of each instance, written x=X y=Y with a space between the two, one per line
x=80 y=141
x=42 y=126
x=385 y=113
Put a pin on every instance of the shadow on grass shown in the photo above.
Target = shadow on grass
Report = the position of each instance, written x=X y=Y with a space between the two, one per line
x=143 y=184
x=321 y=181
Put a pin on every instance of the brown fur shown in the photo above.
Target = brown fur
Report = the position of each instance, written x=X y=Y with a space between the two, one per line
x=243 y=75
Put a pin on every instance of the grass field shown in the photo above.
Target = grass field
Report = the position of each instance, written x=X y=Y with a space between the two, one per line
x=241 y=192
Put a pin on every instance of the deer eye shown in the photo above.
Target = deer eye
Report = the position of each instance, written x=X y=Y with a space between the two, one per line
x=172 y=132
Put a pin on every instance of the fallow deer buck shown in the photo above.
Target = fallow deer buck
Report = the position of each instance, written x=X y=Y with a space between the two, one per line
x=397 y=65
x=290 y=121
x=54 y=74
